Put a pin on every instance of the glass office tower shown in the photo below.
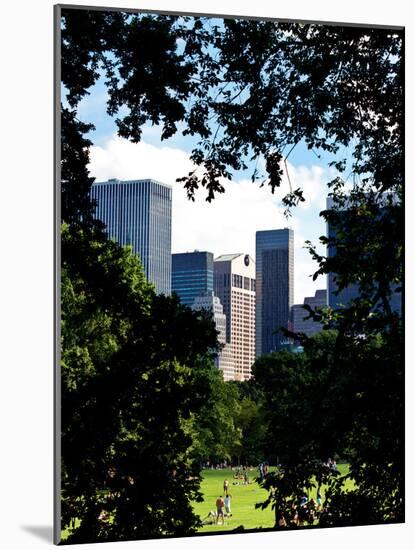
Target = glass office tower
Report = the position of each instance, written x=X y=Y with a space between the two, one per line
x=192 y=275
x=274 y=287
x=137 y=213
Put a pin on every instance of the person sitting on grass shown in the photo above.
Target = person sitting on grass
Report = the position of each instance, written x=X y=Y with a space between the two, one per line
x=280 y=519
x=293 y=514
x=302 y=516
x=220 y=503
x=312 y=511
x=104 y=516
x=228 y=505
x=210 y=519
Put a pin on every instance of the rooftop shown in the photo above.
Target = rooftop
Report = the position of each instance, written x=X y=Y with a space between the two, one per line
x=227 y=257
x=115 y=180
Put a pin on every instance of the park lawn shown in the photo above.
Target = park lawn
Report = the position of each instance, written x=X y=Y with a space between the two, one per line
x=243 y=502
x=244 y=498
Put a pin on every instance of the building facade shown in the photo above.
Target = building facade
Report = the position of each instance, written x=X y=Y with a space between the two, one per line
x=339 y=299
x=234 y=283
x=192 y=275
x=298 y=313
x=137 y=213
x=274 y=287
x=349 y=293
x=224 y=361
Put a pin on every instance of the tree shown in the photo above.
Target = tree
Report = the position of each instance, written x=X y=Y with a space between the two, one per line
x=216 y=433
x=251 y=423
x=246 y=89
x=336 y=400
x=135 y=368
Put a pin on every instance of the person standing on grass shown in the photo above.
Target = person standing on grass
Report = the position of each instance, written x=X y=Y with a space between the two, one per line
x=228 y=505
x=246 y=478
x=225 y=487
x=220 y=503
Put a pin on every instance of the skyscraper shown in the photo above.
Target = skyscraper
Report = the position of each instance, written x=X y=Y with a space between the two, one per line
x=192 y=275
x=274 y=287
x=137 y=213
x=308 y=326
x=224 y=361
x=234 y=282
x=351 y=292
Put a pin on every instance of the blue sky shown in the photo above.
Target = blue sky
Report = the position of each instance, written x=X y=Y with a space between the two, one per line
x=229 y=223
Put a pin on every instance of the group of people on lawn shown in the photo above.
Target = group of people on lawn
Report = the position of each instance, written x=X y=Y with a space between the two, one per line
x=301 y=512
x=223 y=507
x=223 y=502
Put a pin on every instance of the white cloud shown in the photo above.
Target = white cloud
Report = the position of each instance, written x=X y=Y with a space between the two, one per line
x=119 y=158
x=227 y=224
x=311 y=180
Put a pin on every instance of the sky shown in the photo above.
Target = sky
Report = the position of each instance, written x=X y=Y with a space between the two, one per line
x=227 y=224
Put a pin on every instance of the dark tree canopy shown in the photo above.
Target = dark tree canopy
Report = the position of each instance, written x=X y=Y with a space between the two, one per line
x=247 y=89
x=136 y=369
x=341 y=397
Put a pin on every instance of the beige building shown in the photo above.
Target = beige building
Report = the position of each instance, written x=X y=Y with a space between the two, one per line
x=234 y=284
x=224 y=361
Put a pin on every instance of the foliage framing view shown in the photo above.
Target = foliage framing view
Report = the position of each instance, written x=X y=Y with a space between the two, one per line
x=140 y=394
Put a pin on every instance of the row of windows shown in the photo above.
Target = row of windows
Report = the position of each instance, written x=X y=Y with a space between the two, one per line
x=184 y=273
x=238 y=281
x=139 y=214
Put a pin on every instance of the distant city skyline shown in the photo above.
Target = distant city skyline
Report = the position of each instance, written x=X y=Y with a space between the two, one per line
x=138 y=212
x=250 y=297
x=227 y=224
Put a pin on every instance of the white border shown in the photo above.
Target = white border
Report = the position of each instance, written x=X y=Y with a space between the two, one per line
x=26 y=229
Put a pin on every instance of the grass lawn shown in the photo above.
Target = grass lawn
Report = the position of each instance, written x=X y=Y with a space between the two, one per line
x=243 y=501
x=244 y=498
